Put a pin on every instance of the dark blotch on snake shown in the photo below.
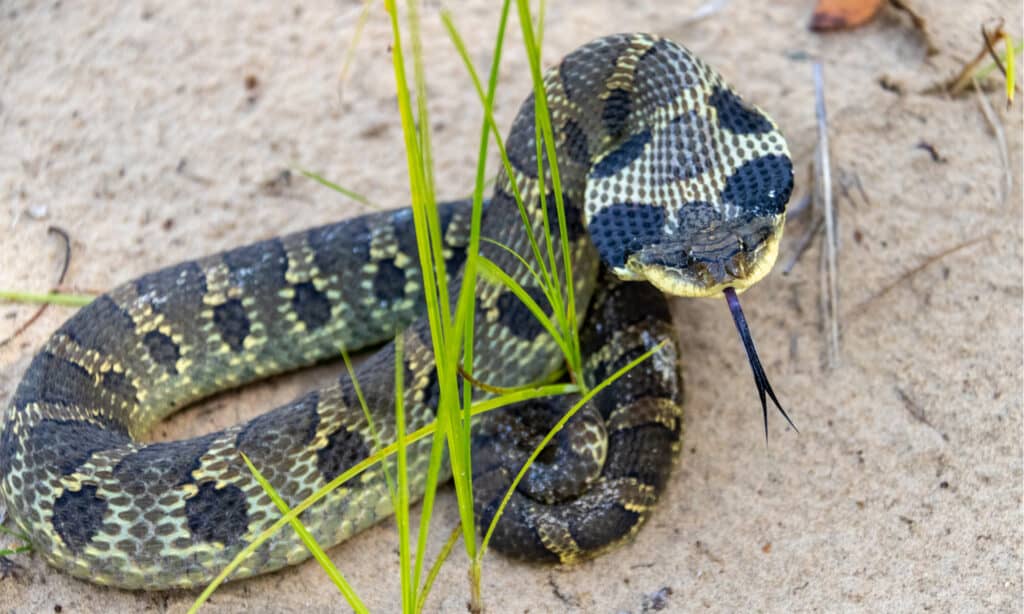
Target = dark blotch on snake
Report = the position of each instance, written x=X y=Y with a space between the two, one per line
x=311 y=305
x=158 y=468
x=232 y=323
x=271 y=439
x=217 y=514
x=58 y=381
x=340 y=247
x=587 y=68
x=617 y=107
x=343 y=450
x=78 y=516
x=624 y=228
x=640 y=453
x=261 y=264
x=735 y=115
x=761 y=186
x=622 y=156
x=517 y=317
x=627 y=303
x=576 y=143
x=119 y=384
x=67 y=444
x=600 y=524
x=102 y=325
x=163 y=350
x=388 y=282
x=174 y=289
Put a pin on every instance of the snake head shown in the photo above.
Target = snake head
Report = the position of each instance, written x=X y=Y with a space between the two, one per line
x=662 y=208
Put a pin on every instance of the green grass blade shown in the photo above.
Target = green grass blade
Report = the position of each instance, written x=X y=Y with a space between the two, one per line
x=48 y=298
x=357 y=35
x=307 y=539
x=27 y=547
x=359 y=198
x=15 y=551
x=401 y=505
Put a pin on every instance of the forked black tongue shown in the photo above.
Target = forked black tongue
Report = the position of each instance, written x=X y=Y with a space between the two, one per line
x=760 y=379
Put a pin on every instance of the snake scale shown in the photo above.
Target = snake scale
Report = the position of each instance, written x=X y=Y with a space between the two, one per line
x=671 y=184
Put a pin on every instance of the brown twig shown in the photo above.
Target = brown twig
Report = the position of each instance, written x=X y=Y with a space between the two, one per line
x=479 y=384
x=989 y=38
x=59 y=232
x=63 y=234
x=959 y=83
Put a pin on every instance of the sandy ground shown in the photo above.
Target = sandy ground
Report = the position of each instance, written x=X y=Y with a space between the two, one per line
x=159 y=132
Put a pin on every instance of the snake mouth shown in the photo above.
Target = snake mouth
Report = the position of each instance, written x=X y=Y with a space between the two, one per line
x=704 y=263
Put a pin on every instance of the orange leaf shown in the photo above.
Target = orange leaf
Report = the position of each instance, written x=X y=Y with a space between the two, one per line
x=843 y=14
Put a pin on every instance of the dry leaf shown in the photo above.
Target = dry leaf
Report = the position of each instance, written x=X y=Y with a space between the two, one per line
x=843 y=14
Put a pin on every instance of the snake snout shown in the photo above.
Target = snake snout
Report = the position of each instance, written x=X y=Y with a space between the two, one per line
x=702 y=262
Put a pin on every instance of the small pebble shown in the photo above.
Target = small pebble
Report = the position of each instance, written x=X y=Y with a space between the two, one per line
x=37 y=212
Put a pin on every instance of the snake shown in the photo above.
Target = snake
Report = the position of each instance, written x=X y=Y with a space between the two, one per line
x=670 y=185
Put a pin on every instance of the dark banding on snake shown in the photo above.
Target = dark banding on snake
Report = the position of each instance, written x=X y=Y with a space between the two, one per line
x=232 y=323
x=264 y=263
x=617 y=107
x=120 y=385
x=388 y=282
x=311 y=305
x=163 y=350
x=55 y=380
x=515 y=316
x=174 y=289
x=761 y=186
x=86 y=330
x=344 y=449
x=78 y=516
x=735 y=115
x=623 y=228
x=329 y=260
x=622 y=156
x=159 y=468
x=68 y=444
x=217 y=514
x=269 y=440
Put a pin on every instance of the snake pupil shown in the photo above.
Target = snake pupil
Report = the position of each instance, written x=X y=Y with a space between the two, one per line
x=760 y=378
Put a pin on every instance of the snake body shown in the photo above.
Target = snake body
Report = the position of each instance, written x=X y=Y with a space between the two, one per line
x=667 y=176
